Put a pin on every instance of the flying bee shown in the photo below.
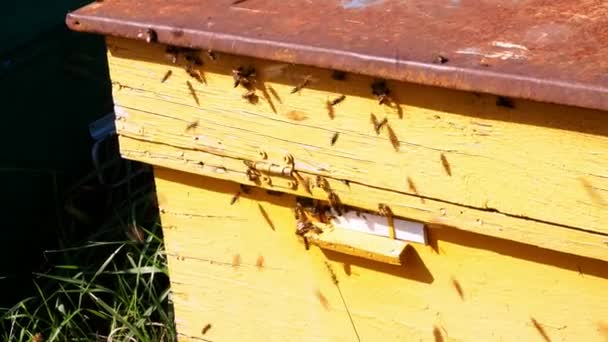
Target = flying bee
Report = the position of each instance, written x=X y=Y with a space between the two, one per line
x=192 y=125
x=301 y=85
x=235 y=197
x=393 y=138
x=212 y=55
x=251 y=96
x=236 y=260
x=193 y=92
x=330 y=109
x=260 y=262
x=337 y=100
x=334 y=138
x=166 y=77
x=377 y=124
x=334 y=277
x=196 y=74
x=381 y=91
x=243 y=76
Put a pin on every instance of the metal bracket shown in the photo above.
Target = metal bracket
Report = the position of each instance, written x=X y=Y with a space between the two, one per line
x=279 y=174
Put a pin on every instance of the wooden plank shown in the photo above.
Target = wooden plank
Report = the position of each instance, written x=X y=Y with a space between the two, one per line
x=538 y=161
x=376 y=248
x=526 y=231
x=468 y=287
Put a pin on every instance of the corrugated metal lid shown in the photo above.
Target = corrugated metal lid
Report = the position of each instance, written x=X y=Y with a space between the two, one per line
x=546 y=51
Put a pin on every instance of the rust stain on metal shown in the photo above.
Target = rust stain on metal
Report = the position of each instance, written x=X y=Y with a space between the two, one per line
x=533 y=50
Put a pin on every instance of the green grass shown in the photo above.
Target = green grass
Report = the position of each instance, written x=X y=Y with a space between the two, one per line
x=112 y=285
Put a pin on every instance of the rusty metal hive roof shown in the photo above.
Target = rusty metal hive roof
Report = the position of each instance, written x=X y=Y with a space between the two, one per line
x=553 y=51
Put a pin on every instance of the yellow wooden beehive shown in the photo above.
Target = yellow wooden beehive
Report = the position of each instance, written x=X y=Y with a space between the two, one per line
x=506 y=171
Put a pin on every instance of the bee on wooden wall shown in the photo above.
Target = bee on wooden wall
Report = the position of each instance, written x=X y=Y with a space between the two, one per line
x=193 y=57
x=172 y=53
x=192 y=125
x=250 y=96
x=338 y=75
x=384 y=210
x=322 y=183
x=151 y=36
x=381 y=91
x=212 y=55
x=337 y=100
x=301 y=85
x=440 y=59
x=243 y=76
x=196 y=74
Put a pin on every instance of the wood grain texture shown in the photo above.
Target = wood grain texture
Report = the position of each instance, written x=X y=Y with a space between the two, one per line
x=538 y=161
x=466 y=287
x=535 y=233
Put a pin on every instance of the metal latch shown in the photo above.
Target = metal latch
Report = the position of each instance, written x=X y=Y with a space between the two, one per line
x=279 y=174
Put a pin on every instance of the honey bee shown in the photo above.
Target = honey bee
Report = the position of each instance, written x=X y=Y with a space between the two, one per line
x=377 y=124
x=381 y=91
x=446 y=165
x=393 y=138
x=384 y=210
x=334 y=277
x=334 y=138
x=330 y=109
x=260 y=262
x=37 y=338
x=245 y=189
x=193 y=57
x=323 y=300
x=151 y=36
x=337 y=100
x=236 y=260
x=206 y=328
x=322 y=183
x=192 y=125
x=439 y=59
x=243 y=76
x=250 y=96
x=235 y=197
x=334 y=202
x=196 y=74
x=212 y=55
x=172 y=53
x=506 y=102
x=166 y=77
x=306 y=183
x=301 y=85
x=338 y=75
x=193 y=92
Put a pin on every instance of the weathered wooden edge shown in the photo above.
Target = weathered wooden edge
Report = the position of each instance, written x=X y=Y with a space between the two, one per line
x=526 y=231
